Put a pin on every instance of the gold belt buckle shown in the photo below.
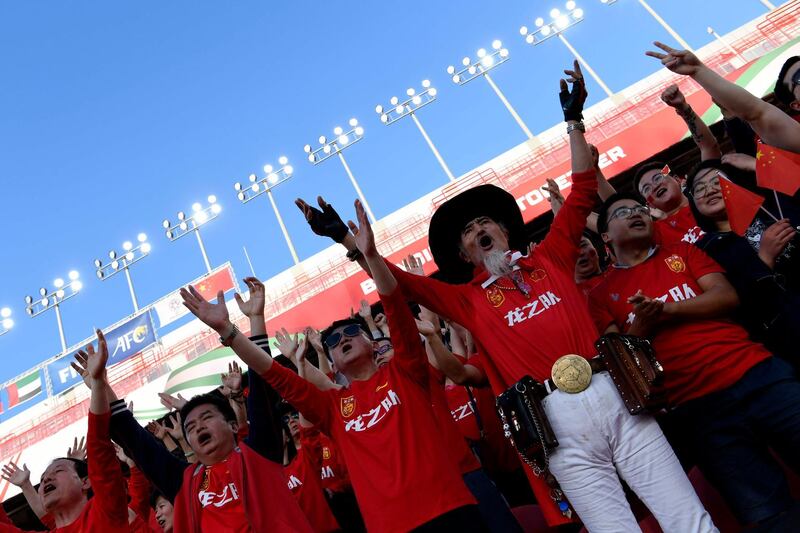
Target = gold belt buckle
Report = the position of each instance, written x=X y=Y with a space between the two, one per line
x=571 y=373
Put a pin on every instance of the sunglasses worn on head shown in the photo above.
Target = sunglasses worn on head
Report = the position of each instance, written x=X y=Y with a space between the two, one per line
x=350 y=330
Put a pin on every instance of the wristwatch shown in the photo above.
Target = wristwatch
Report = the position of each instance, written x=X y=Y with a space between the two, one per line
x=228 y=339
x=354 y=254
x=576 y=126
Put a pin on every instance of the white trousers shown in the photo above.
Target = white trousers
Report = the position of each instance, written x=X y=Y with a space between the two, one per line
x=599 y=442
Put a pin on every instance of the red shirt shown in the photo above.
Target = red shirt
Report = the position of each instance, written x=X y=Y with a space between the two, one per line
x=462 y=411
x=699 y=356
x=221 y=501
x=107 y=510
x=586 y=286
x=302 y=478
x=516 y=334
x=451 y=437
x=402 y=475
x=327 y=458
x=678 y=227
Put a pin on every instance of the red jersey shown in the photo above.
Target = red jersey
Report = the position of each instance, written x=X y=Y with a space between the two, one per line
x=302 y=478
x=462 y=411
x=451 y=437
x=221 y=508
x=699 y=356
x=326 y=457
x=517 y=334
x=678 y=227
x=401 y=474
x=586 y=286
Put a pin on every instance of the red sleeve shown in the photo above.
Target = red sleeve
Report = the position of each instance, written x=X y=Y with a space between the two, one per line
x=409 y=352
x=139 y=492
x=243 y=432
x=449 y=301
x=311 y=443
x=565 y=232
x=699 y=263
x=110 y=503
x=599 y=310
x=304 y=396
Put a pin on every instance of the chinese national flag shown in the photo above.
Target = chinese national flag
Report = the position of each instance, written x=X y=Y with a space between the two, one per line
x=741 y=204
x=777 y=169
x=218 y=281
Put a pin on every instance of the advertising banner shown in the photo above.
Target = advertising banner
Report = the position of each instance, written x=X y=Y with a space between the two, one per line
x=171 y=308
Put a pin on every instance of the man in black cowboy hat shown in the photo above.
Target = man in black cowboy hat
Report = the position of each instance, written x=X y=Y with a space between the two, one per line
x=525 y=312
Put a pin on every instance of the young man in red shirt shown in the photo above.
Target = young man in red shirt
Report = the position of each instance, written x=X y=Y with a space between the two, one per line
x=382 y=422
x=65 y=485
x=734 y=399
x=524 y=312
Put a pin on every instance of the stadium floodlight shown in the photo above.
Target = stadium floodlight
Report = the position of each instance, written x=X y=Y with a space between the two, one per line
x=725 y=43
x=122 y=262
x=329 y=148
x=559 y=23
x=663 y=22
x=53 y=300
x=479 y=68
x=256 y=187
x=6 y=322
x=414 y=101
x=187 y=224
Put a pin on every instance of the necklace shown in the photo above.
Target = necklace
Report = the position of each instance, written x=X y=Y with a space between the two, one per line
x=518 y=284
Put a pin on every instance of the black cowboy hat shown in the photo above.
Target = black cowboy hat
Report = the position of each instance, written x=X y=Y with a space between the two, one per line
x=447 y=223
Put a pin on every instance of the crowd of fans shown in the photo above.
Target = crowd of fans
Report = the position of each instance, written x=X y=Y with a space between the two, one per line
x=386 y=420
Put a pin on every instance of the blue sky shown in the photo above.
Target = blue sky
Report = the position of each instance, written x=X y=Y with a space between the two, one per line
x=116 y=115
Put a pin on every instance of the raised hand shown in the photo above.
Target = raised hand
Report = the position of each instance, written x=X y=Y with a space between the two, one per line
x=572 y=101
x=740 y=161
x=773 y=241
x=157 y=429
x=95 y=361
x=79 y=366
x=176 y=429
x=554 y=195
x=364 y=310
x=285 y=343
x=300 y=354
x=595 y=156
x=383 y=325
x=673 y=97
x=78 y=449
x=172 y=402
x=681 y=62
x=427 y=328
x=213 y=315
x=122 y=456
x=232 y=380
x=16 y=475
x=413 y=265
x=315 y=339
x=365 y=239
x=254 y=306
x=326 y=223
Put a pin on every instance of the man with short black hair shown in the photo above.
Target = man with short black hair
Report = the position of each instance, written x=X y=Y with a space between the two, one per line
x=732 y=398
x=787 y=86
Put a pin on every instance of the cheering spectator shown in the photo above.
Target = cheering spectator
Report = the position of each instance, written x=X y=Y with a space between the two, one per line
x=382 y=422
x=787 y=85
x=770 y=123
x=733 y=398
x=163 y=510
x=524 y=311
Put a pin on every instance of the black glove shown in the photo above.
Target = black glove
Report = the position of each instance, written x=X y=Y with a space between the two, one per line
x=326 y=223
x=572 y=101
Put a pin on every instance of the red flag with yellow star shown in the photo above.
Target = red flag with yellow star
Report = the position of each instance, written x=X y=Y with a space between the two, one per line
x=777 y=169
x=741 y=205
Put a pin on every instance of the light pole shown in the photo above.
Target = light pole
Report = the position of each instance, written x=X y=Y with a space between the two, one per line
x=335 y=146
x=397 y=110
x=6 y=322
x=561 y=22
x=185 y=225
x=727 y=45
x=769 y=5
x=480 y=67
x=64 y=291
x=122 y=262
x=258 y=187
x=660 y=20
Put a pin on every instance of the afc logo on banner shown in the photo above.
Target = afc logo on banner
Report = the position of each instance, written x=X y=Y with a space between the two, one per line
x=128 y=340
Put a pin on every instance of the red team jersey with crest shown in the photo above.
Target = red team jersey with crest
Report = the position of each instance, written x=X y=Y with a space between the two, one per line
x=221 y=501
x=699 y=356
x=400 y=469
x=302 y=478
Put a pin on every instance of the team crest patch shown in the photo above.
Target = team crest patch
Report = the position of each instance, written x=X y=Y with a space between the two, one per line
x=326 y=453
x=675 y=263
x=495 y=296
x=538 y=275
x=348 y=406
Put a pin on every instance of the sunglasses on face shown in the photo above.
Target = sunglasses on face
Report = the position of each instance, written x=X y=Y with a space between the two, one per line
x=628 y=212
x=383 y=349
x=702 y=188
x=333 y=340
x=293 y=416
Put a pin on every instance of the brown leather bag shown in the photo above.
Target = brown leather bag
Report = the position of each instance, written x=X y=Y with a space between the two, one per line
x=636 y=372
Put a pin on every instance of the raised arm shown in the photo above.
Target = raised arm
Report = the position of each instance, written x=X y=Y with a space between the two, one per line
x=21 y=477
x=700 y=132
x=775 y=127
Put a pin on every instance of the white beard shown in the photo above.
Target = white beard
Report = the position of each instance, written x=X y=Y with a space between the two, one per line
x=497 y=264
